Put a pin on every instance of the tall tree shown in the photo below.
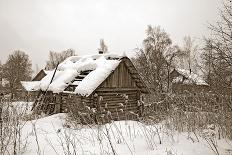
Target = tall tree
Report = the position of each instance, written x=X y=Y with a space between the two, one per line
x=17 y=68
x=1 y=76
x=151 y=59
x=172 y=57
x=189 y=52
x=218 y=50
x=55 y=58
x=1 y=67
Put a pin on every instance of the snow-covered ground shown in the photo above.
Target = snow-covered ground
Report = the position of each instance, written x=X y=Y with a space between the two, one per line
x=126 y=137
x=52 y=135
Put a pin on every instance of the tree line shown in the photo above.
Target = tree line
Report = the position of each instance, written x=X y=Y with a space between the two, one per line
x=212 y=58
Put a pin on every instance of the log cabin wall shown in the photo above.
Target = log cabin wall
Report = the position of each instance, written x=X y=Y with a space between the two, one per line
x=72 y=101
x=120 y=103
x=119 y=93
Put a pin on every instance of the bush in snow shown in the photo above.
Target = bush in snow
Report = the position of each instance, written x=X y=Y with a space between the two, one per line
x=12 y=117
x=191 y=112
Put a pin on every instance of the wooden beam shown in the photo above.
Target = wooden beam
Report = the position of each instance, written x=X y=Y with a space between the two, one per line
x=117 y=89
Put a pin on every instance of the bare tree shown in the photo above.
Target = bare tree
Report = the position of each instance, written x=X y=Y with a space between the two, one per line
x=207 y=57
x=172 y=56
x=218 y=50
x=152 y=60
x=55 y=58
x=17 y=68
x=1 y=77
x=189 y=52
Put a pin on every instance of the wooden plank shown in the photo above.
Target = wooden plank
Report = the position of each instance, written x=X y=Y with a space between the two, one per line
x=108 y=97
x=119 y=100
x=117 y=104
x=117 y=93
x=111 y=104
x=124 y=108
x=124 y=112
x=114 y=111
x=130 y=97
x=108 y=91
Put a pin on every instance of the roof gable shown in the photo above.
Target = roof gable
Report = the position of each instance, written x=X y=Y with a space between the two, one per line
x=135 y=75
x=40 y=75
x=125 y=76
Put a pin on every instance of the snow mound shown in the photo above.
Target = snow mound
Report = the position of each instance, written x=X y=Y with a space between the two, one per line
x=126 y=137
x=31 y=85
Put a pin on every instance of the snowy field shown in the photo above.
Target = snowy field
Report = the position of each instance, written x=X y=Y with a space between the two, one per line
x=53 y=136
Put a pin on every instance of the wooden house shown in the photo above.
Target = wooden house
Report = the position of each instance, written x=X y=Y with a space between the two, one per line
x=29 y=90
x=40 y=75
x=103 y=84
x=185 y=80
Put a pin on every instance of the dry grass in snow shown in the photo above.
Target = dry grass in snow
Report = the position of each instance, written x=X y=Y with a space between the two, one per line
x=52 y=135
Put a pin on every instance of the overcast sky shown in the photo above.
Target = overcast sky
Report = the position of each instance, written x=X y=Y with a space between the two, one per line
x=38 y=26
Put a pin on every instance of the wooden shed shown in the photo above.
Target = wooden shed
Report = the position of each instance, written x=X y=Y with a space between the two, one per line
x=40 y=75
x=105 y=84
x=185 y=80
x=29 y=90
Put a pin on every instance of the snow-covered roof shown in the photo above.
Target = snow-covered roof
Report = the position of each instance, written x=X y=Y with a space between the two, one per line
x=47 y=71
x=191 y=78
x=31 y=85
x=99 y=66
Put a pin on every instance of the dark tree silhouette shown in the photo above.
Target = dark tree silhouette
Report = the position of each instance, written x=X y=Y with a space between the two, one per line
x=17 y=68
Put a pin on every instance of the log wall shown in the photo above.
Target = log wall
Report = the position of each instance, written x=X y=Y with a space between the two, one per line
x=117 y=95
x=122 y=104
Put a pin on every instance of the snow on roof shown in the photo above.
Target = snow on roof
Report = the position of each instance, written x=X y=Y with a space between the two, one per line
x=191 y=77
x=100 y=67
x=31 y=85
x=95 y=78
x=47 y=71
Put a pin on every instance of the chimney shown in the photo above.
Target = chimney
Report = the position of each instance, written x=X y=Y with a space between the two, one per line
x=100 y=51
